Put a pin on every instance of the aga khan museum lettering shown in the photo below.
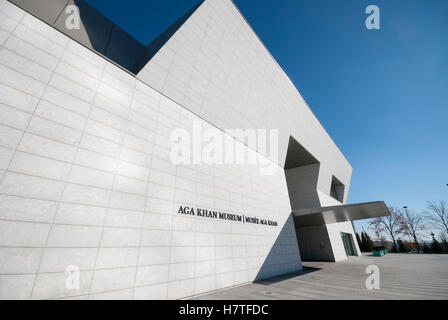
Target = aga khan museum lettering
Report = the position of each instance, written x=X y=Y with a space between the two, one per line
x=224 y=216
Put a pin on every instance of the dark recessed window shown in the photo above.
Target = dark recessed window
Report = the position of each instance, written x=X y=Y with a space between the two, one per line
x=337 y=189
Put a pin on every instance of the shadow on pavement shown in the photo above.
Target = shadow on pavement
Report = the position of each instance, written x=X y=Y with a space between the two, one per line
x=306 y=270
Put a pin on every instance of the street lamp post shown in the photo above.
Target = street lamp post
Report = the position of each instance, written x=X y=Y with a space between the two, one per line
x=416 y=244
x=406 y=209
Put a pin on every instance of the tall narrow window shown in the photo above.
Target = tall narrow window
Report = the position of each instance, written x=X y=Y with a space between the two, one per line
x=337 y=189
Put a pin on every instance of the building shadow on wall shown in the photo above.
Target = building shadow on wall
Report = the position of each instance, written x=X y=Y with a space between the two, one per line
x=301 y=174
x=102 y=35
x=105 y=37
x=283 y=260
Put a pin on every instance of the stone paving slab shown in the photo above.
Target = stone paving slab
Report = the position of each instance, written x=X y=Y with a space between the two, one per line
x=402 y=276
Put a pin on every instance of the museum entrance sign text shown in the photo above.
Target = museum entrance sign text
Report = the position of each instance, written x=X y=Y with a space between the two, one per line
x=224 y=216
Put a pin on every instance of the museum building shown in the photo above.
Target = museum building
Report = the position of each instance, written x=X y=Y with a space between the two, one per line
x=92 y=205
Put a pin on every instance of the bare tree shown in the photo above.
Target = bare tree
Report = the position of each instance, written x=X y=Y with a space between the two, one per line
x=393 y=225
x=438 y=213
x=414 y=224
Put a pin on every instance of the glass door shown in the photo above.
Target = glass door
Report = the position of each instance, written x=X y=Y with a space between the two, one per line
x=347 y=239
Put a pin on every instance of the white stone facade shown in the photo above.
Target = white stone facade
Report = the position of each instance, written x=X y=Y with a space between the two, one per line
x=85 y=174
x=216 y=66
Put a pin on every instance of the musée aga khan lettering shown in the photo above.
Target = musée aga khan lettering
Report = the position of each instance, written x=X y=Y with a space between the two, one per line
x=225 y=216
x=92 y=205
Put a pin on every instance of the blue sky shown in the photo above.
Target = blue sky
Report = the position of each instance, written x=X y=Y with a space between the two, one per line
x=381 y=94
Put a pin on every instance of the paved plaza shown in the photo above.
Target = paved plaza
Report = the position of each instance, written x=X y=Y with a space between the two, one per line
x=402 y=276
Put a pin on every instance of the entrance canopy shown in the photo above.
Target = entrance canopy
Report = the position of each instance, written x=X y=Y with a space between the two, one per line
x=334 y=214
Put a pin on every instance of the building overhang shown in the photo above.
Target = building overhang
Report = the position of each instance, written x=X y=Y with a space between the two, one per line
x=334 y=214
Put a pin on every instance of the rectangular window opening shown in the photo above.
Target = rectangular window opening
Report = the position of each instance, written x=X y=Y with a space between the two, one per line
x=337 y=189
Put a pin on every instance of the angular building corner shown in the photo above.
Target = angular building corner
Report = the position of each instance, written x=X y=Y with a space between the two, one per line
x=89 y=193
